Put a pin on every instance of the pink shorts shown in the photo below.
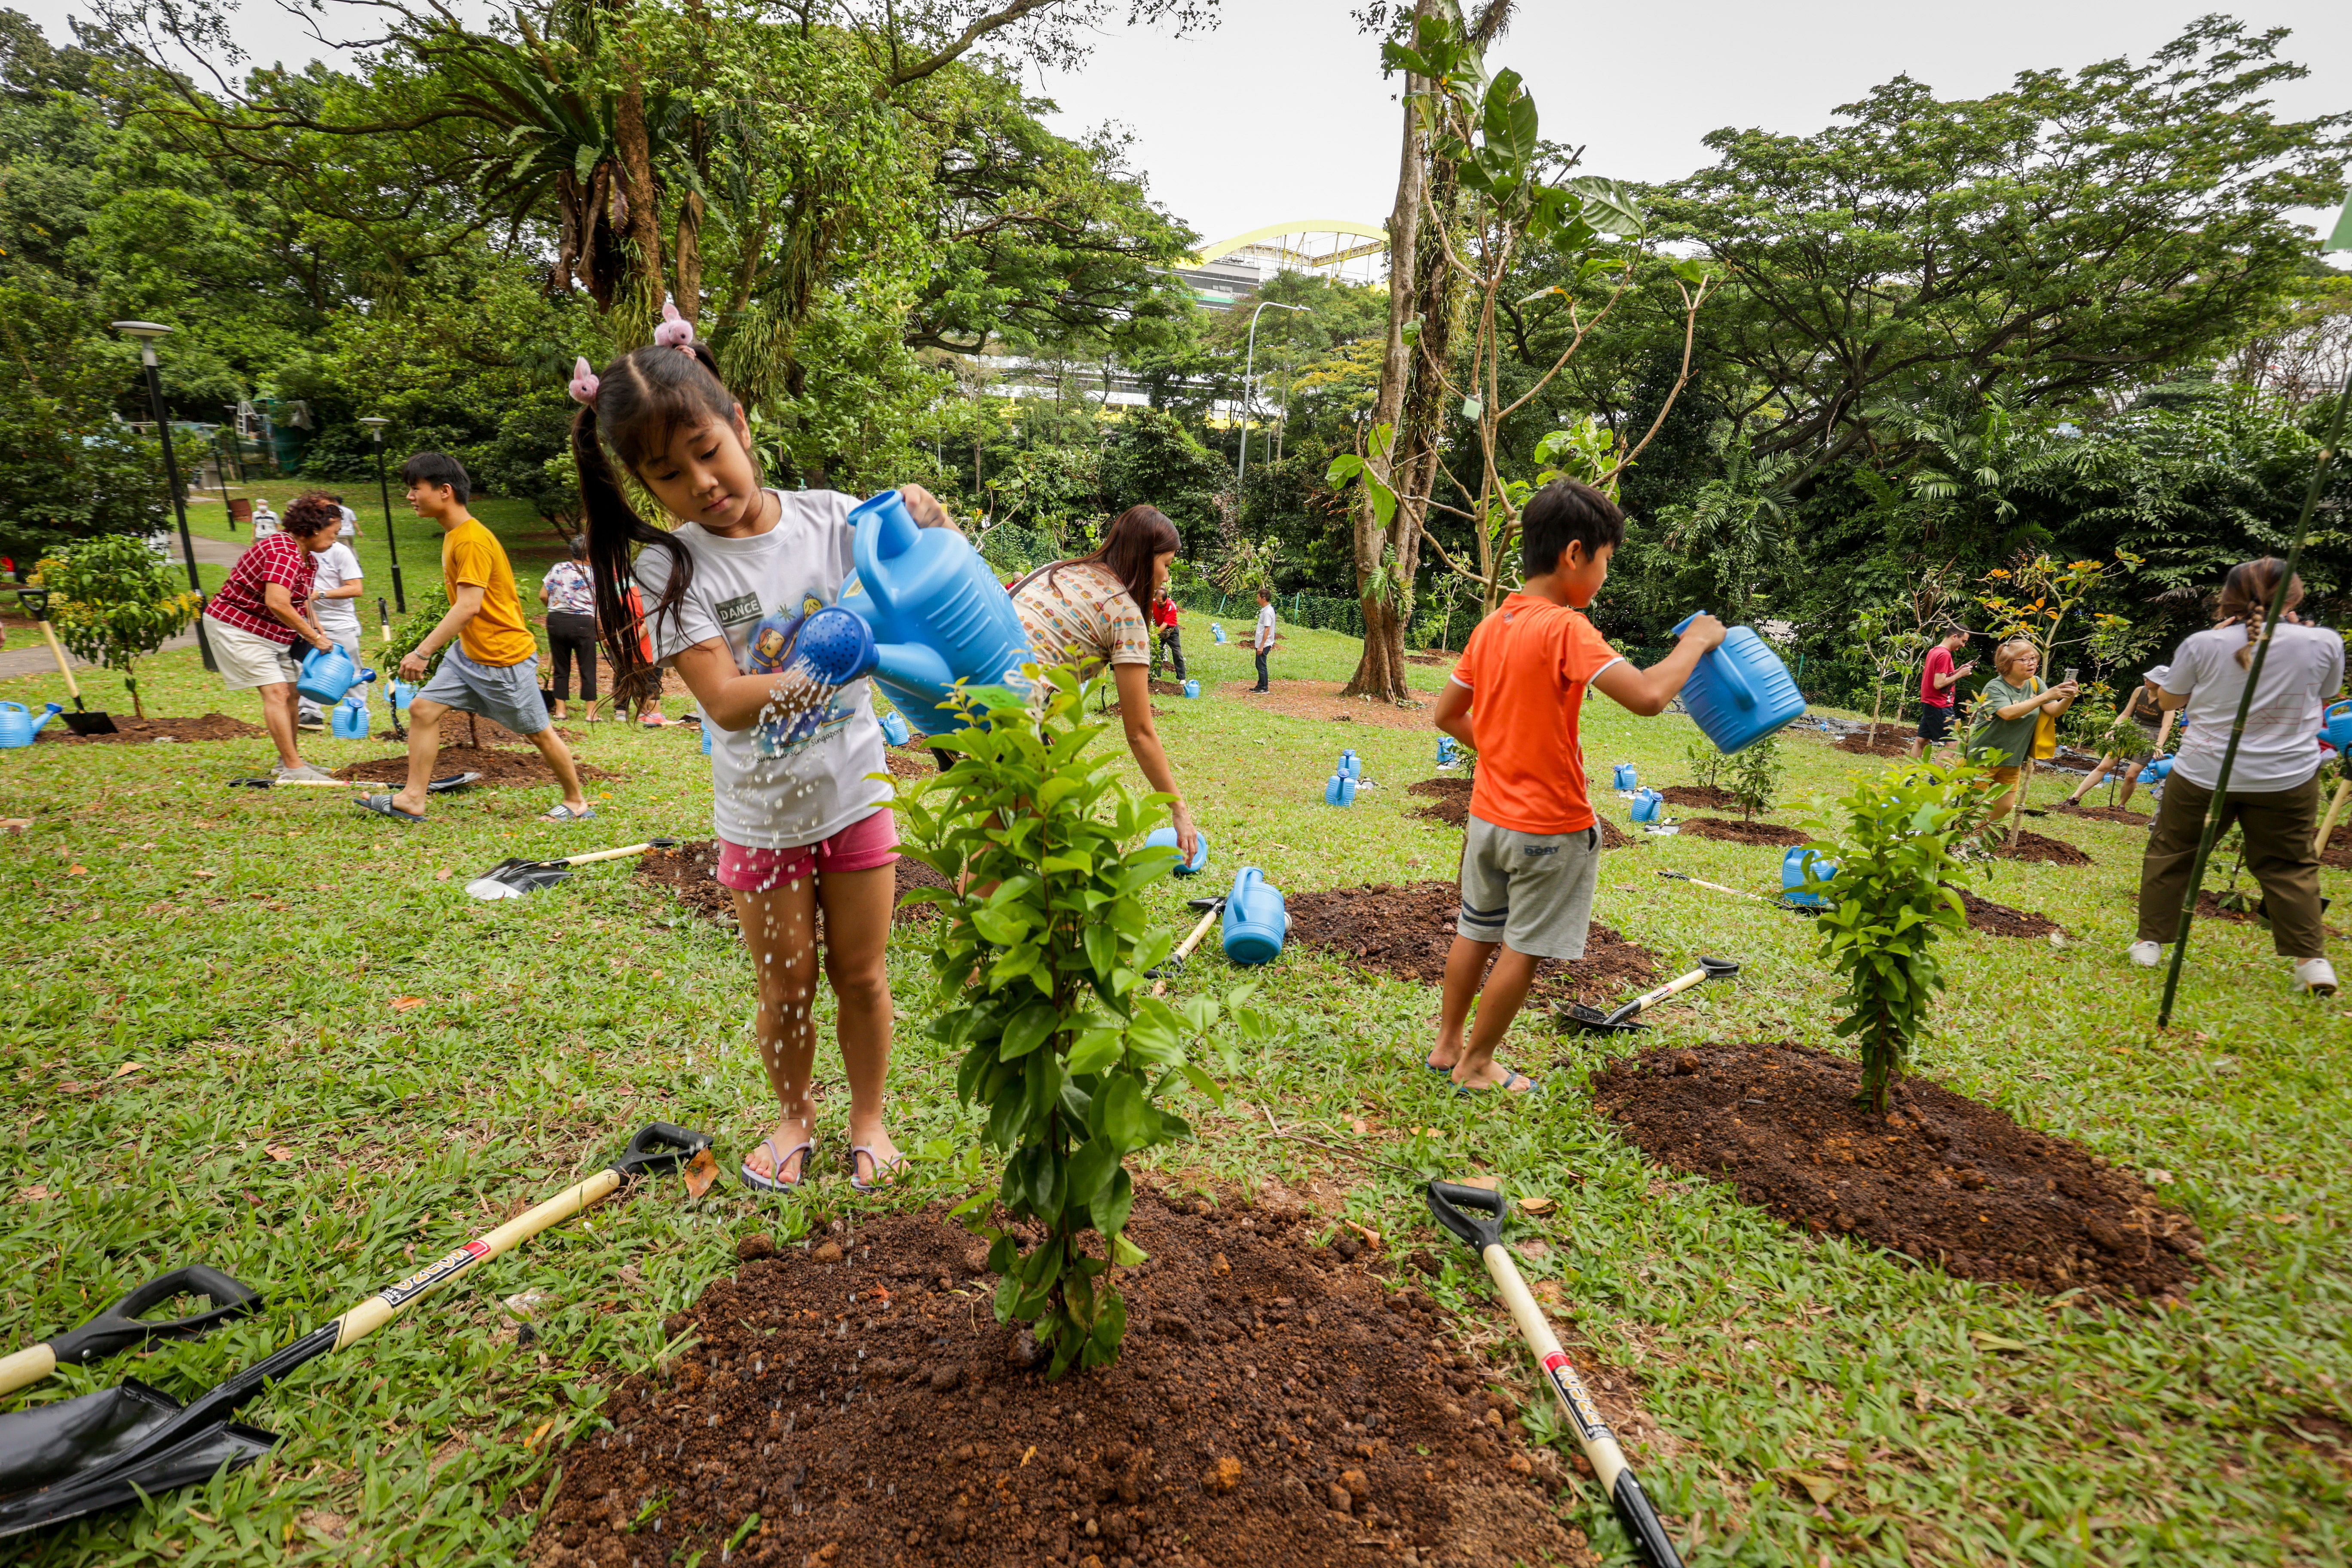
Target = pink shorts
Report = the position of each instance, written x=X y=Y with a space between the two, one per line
x=868 y=842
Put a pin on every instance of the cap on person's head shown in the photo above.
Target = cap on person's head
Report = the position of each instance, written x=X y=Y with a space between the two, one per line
x=2158 y=676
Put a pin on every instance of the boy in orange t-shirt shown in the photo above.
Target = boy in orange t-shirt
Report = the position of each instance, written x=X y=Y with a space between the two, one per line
x=1531 y=848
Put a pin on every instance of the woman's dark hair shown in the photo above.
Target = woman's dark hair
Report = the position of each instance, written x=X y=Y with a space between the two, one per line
x=438 y=469
x=2246 y=596
x=307 y=513
x=641 y=398
x=1566 y=512
x=1134 y=538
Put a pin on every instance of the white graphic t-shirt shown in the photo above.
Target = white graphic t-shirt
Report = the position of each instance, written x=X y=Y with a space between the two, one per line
x=2280 y=747
x=335 y=567
x=784 y=783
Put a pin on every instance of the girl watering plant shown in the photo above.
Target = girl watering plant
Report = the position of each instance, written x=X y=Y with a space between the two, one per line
x=800 y=824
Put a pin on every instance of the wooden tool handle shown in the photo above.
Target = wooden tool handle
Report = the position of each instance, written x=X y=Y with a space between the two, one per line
x=1678 y=984
x=64 y=669
x=389 y=1302
x=1184 y=948
x=2334 y=809
x=605 y=855
x=28 y=1365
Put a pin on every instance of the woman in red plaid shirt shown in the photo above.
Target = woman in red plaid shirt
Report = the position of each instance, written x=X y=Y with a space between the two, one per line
x=263 y=610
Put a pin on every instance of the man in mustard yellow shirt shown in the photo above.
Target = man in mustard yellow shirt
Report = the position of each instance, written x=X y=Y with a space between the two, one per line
x=494 y=669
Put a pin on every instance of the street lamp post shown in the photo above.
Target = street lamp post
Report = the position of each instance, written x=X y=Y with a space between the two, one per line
x=147 y=333
x=1249 y=365
x=383 y=487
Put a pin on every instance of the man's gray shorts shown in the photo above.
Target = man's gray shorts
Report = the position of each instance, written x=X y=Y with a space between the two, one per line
x=505 y=694
x=1530 y=891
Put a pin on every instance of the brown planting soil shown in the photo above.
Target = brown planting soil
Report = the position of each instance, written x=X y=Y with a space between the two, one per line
x=1731 y=831
x=504 y=765
x=2104 y=814
x=2210 y=908
x=1407 y=930
x=1942 y=1177
x=2000 y=920
x=689 y=871
x=2039 y=849
x=2338 y=852
x=910 y=764
x=455 y=729
x=1166 y=688
x=1714 y=798
x=1450 y=804
x=1274 y=1406
x=1862 y=745
x=210 y=727
x=1321 y=699
x=1437 y=659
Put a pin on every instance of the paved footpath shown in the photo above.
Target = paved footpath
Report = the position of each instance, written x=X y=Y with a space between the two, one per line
x=27 y=654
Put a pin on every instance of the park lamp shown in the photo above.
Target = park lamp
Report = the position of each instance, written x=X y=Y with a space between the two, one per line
x=147 y=333
x=375 y=424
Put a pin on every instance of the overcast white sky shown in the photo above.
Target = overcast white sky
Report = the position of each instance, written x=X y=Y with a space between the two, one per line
x=1281 y=112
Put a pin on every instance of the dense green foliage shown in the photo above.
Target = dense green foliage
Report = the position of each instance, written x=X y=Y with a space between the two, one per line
x=1041 y=971
x=1890 y=903
x=114 y=602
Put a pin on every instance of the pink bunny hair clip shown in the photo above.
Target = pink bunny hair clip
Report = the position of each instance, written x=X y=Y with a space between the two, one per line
x=583 y=383
x=675 y=332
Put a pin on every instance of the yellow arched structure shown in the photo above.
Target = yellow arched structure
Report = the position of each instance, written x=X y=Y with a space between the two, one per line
x=1289 y=255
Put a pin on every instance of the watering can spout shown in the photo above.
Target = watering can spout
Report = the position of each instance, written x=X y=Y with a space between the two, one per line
x=911 y=664
x=53 y=710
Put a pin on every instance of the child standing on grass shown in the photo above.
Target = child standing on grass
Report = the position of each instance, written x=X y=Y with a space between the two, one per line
x=802 y=826
x=1531 y=848
x=494 y=669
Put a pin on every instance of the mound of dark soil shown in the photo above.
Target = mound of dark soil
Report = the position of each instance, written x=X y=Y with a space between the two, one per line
x=1407 y=930
x=1731 y=831
x=1439 y=658
x=1167 y=688
x=131 y=732
x=1274 y=1406
x=2338 y=852
x=910 y=764
x=2000 y=920
x=2040 y=850
x=1862 y=745
x=1947 y=1179
x=2211 y=908
x=465 y=729
x=2130 y=818
x=691 y=871
x=1450 y=804
x=1712 y=797
x=500 y=765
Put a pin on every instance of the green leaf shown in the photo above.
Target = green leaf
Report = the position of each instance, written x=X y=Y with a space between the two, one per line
x=1205 y=1084
x=1027 y=1031
x=1609 y=207
x=1110 y=1212
x=1121 y=1107
x=1125 y=1253
x=1096 y=1049
x=1091 y=1167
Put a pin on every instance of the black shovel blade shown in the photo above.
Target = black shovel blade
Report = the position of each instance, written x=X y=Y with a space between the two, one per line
x=1595 y=1020
x=90 y=723
x=512 y=878
x=61 y=1461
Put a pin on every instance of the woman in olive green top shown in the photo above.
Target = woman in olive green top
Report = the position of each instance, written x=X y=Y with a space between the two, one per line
x=2008 y=710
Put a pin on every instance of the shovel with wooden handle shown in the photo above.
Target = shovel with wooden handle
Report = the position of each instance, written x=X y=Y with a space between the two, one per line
x=121 y=1327
x=82 y=721
x=520 y=879
x=1577 y=1012
x=1213 y=907
x=1483 y=1232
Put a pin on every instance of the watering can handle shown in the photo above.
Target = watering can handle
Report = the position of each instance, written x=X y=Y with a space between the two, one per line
x=1743 y=690
x=881 y=530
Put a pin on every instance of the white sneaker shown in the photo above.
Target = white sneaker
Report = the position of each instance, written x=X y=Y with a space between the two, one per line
x=2315 y=974
x=306 y=774
x=2146 y=954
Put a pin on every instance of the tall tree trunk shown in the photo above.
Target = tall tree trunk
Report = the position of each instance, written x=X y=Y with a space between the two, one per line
x=641 y=301
x=689 y=251
x=1381 y=671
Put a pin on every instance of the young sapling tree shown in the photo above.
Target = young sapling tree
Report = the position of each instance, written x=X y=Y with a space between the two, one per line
x=1705 y=762
x=1754 y=773
x=1889 y=904
x=114 y=603
x=1041 y=971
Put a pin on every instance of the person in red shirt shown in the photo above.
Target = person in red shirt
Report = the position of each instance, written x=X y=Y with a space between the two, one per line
x=1936 y=683
x=1172 y=637
x=262 y=611
x=1532 y=847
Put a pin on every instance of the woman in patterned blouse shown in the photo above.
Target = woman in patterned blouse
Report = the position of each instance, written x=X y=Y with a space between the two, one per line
x=1090 y=612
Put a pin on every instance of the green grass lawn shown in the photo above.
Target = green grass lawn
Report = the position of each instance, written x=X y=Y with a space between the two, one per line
x=259 y=1030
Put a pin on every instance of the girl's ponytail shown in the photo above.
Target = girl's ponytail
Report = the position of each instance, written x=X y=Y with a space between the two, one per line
x=2246 y=596
x=615 y=530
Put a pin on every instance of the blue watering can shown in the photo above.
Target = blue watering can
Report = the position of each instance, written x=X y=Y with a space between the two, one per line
x=1192 y=689
x=1255 y=919
x=2336 y=726
x=350 y=719
x=1804 y=872
x=1339 y=790
x=1646 y=805
x=402 y=694
x=1351 y=766
x=1165 y=837
x=2157 y=770
x=894 y=729
x=835 y=645
x=937 y=612
x=327 y=673
x=707 y=727
x=1624 y=776
x=17 y=727
x=1217 y=630
x=1445 y=750
x=1740 y=692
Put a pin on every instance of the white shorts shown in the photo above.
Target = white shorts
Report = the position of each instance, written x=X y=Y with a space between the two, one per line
x=248 y=660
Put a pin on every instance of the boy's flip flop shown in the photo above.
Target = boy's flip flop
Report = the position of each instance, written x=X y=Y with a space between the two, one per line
x=560 y=812
x=1510 y=1079
x=773 y=1181
x=381 y=806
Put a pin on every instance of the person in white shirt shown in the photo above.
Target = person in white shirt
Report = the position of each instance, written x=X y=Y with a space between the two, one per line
x=1262 y=640
x=350 y=524
x=265 y=522
x=2273 y=793
x=336 y=587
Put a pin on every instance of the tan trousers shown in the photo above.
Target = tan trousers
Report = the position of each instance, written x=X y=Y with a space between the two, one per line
x=2278 y=825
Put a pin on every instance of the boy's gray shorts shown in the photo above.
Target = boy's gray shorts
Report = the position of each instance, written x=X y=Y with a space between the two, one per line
x=1530 y=891
x=503 y=693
